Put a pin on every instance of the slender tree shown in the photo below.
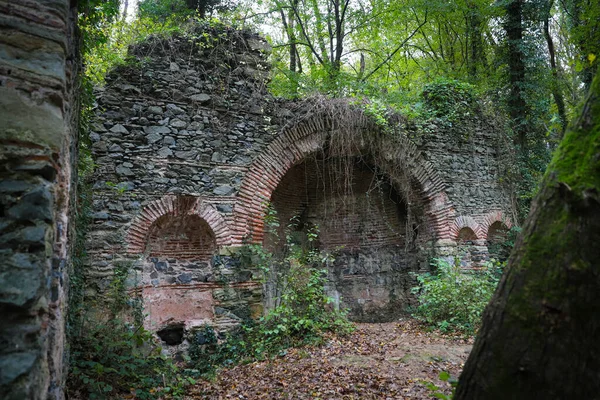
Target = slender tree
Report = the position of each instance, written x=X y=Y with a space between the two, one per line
x=556 y=92
x=539 y=338
x=517 y=106
x=584 y=17
x=475 y=55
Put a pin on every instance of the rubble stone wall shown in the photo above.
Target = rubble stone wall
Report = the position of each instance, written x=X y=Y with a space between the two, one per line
x=38 y=126
x=191 y=149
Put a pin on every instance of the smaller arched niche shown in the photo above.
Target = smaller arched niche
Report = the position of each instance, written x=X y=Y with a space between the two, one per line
x=496 y=241
x=181 y=238
x=466 y=236
x=467 y=249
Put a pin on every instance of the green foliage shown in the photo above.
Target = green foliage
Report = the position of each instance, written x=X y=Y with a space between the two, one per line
x=112 y=358
x=501 y=251
x=436 y=391
x=449 y=99
x=303 y=313
x=377 y=110
x=180 y=10
x=112 y=354
x=452 y=299
x=112 y=52
x=161 y=11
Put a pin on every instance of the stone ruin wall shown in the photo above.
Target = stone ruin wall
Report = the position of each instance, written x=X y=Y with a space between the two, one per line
x=38 y=127
x=189 y=147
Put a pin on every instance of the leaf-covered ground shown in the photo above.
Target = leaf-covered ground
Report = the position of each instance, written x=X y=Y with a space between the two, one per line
x=378 y=361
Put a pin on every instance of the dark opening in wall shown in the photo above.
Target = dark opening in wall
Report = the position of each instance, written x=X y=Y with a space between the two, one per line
x=362 y=220
x=181 y=237
x=172 y=334
x=466 y=236
x=353 y=207
x=496 y=239
x=467 y=251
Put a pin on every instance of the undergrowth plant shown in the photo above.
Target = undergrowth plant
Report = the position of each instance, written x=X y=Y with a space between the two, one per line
x=453 y=299
x=436 y=391
x=112 y=355
x=303 y=313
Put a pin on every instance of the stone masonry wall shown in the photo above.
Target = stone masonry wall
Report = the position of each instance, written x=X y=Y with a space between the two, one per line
x=38 y=115
x=471 y=158
x=190 y=148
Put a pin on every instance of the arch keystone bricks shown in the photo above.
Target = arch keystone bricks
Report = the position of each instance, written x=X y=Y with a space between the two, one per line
x=176 y=206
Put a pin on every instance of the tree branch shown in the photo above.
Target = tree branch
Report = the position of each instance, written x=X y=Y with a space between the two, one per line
x=393 y=53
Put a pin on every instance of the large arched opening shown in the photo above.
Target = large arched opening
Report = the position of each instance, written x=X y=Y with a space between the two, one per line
x=378 y=203
x=368 y=225
x=353 y=207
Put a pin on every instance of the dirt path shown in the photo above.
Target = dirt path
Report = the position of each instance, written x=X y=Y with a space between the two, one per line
x=378 y=361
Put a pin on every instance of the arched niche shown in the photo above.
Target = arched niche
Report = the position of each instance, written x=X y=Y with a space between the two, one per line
x=466 y=236
x=497 y=236
x=181 y=237
x=467 y=249
x=176 y=238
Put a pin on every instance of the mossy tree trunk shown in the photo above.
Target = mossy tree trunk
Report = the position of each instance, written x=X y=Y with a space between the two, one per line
x=540 y=337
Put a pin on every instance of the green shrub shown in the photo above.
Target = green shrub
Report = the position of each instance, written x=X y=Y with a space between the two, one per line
x=453 y=299
x=113 y=358
x=113 y=355
x=161 y=11
x=449 y=99
x=303 y=313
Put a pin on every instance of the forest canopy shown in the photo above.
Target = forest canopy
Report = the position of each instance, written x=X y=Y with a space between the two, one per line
x=533 y=60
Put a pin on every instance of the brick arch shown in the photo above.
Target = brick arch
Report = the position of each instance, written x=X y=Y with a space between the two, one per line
x=465 y=221
x=491 y=218
x=308 y=137
x=176 y=206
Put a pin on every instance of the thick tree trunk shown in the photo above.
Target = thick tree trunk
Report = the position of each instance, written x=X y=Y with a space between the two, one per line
x=540 y=333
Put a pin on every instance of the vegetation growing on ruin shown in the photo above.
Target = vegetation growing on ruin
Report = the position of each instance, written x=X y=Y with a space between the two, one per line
x=385 y=68
x=113 y=355
x=110 y=352
x=452 y=299
x=302 y=313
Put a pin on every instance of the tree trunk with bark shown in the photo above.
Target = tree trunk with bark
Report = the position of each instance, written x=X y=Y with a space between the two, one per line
x=540 y=333
x=556 y=92
x=475 y=56
x=517 y=106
